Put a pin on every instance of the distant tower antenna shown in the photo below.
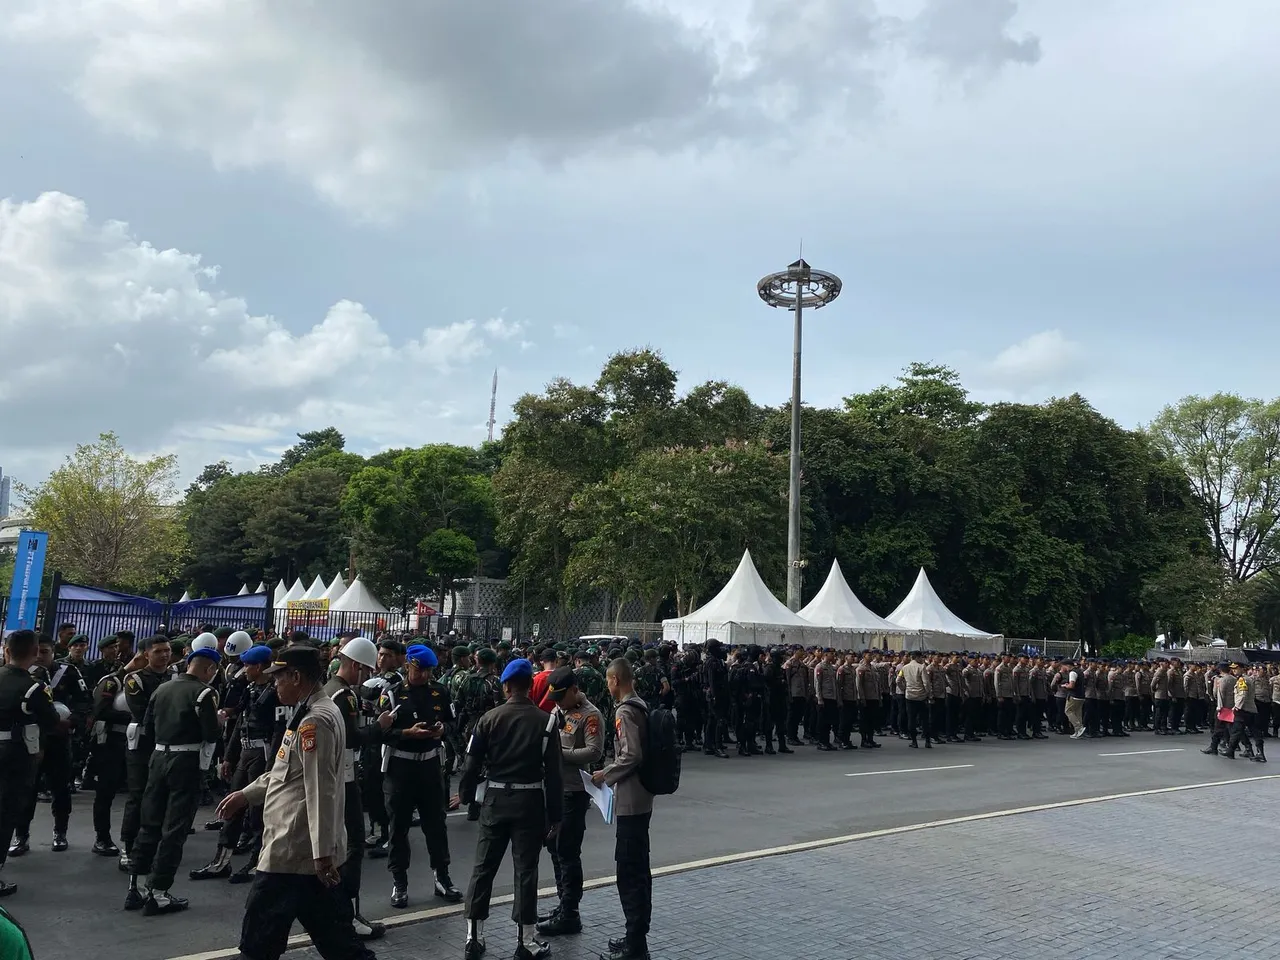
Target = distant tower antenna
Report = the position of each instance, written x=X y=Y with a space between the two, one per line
x=493 y=405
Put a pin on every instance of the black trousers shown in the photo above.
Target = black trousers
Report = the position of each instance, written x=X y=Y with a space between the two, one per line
x=918 y=717
x=1004 y=717
x=174 y=784
x=972 y=716
x=415 y=786
x=1021 y=714
x=17 y=785
x=938 y=716
x=953 y=715
x=518 y=818
x=828 y=716
x=1264 y=716
x=250 y=765
x=372 y=791
x=1240 y=727
x=690 y=721
x=276 y=900
x=717 y=717
x=1162 y=715
x=566 y=851
x=848 y=720
x=353 y=819
x=1116 y=708
x=55 y=767
x=1177 y=708
x=109 y=772
x=136 y=765
x=795 y=715
x=635 y=881
x=868 y=720
x=775 y=722
x=747 y=721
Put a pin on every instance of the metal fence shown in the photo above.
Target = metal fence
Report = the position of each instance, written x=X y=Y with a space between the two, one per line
x=101 y=619
x=327 y=624
x=1055 y=649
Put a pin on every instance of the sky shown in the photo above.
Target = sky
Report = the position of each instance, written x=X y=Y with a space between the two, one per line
x=227 y=221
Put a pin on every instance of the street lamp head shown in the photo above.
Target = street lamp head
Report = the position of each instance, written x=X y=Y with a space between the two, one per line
x=812 y=288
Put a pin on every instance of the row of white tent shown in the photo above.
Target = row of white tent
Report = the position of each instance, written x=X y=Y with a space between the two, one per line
x=356 y=598
x=746 y=611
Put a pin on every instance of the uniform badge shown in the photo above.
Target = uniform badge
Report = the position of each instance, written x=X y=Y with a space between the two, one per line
x=593 y=726
x=133 y=684
x=307 y=734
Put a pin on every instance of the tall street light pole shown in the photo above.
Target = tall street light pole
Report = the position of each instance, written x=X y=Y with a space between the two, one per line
x=797 y=287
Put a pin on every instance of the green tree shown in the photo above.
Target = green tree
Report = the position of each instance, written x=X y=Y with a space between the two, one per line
x=216 y=511
x=296 y=526
x=449 y=555
x=311 y=445
x=112 y=519
x=1229 y=448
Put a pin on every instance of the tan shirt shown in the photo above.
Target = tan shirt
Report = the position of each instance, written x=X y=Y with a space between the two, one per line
x=302 y=795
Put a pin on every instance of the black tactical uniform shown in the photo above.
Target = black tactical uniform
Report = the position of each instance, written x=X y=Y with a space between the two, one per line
x=519 y=745
x=775 y=706
x=26 y=712
x=413 y=782
x=371 y=788
x=182 y=722
x=480 y=691
x=360 y=732
x=67 y=688
x=139 y=687
x=715 y=685
x=111 y=718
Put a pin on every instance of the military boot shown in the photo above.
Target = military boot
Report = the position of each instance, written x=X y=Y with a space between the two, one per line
x=160 y=902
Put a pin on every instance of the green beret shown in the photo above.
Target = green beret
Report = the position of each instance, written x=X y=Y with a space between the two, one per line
x=78 y=638
x=223 y=632
x=485 y=655
x=633 y=655
x=504 y=646
x=460 y=653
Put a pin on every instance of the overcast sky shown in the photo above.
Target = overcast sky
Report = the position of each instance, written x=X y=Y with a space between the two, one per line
x=231 y=220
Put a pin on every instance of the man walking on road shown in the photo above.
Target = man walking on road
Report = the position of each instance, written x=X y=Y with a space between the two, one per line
x=633 y=809
x=304 y=843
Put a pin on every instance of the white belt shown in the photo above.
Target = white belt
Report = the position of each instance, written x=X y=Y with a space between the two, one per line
x=260 y=744
x=409 y=755
x=178 y=747
x=514 y=786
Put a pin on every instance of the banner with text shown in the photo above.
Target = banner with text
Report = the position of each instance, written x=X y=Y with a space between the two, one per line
x=24 y=592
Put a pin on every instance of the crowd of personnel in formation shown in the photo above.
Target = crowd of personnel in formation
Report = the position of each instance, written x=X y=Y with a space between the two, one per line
x=410 y=710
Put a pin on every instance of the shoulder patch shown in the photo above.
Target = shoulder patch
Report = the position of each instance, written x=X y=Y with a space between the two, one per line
x=133 y=684
x=307 y=736
x=110 y=685
x=593 y=725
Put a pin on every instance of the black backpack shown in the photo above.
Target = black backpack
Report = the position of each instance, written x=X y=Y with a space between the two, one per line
x=660 y=764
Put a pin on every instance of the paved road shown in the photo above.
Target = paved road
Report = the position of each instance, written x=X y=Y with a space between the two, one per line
x=724 y=807
x=1113 y=880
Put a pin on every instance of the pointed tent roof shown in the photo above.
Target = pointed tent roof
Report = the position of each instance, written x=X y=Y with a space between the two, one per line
x=316 y=590
x=358 y=599
x=262 y=588
x=836 y=605
x=185 y=598
x=922 y=609
x=244 y=590
x=745 y=599
x=296 y=592
x=281 y=592
x=336 y=590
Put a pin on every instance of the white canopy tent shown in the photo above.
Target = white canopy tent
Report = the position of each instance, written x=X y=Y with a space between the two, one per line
x=316 y=590
x=335 y=591
x=746 y=612
x=933 y=627
x=243 y=591
x=262 y=588
x=837 y=607
x=185 y=598
x=358 y=598
x=282 y=591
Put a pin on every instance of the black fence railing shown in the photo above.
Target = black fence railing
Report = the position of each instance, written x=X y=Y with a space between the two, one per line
x=99 y=619
x=324 y=625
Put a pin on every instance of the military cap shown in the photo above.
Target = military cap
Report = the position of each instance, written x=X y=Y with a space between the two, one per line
x=485 y=655
x=209 y=653
x=303 y=656
x=223 y=632
x=518 y=669
x=421 y=655
x=561 y=679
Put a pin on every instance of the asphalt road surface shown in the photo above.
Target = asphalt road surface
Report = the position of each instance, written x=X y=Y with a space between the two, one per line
x=71 y=902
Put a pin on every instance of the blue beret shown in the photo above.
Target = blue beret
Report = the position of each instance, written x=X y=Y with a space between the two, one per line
x=422 y=655
x=210 y=653
x=256 y=656
x=517 y=668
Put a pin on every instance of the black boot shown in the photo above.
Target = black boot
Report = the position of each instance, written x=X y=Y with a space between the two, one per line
x=60 y=840
x=445 y=889
x=365 y=930
x=219 y=868
x=21 y=845
x=106 y=847
x=565 y=923
x=624 y=949
x=160 y=902
x=133 y=900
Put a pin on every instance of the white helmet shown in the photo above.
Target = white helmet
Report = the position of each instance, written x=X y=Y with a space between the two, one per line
x=64 y=712
x=237 y=643
x=206 y=641
x=362 y=651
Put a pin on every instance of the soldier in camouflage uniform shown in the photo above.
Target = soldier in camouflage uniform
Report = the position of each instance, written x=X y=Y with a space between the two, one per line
x=649 y=680
x=479 y=693
x=592 y=685
x=453 y=679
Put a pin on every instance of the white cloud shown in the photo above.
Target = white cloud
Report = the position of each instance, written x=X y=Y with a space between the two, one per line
x=109 y=332
x=370 y=103
x=1043 y=360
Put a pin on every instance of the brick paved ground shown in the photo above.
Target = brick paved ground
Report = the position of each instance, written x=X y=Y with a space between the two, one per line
x=1172 y=876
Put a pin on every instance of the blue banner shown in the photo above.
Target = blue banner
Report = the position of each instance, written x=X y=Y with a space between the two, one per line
x=28 y=569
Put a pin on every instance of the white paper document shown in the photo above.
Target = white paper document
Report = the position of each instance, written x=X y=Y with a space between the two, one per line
x=601 y=796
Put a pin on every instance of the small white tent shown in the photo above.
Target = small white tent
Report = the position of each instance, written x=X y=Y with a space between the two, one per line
x=296 y=592
x=923 y=613
x=743 y=612
x=262 y=588
x=185 y=598
x=358 y=599
x=244 y=590
x=336 y=590
x=282 y=591
x=837 y=607
x=316 y=590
